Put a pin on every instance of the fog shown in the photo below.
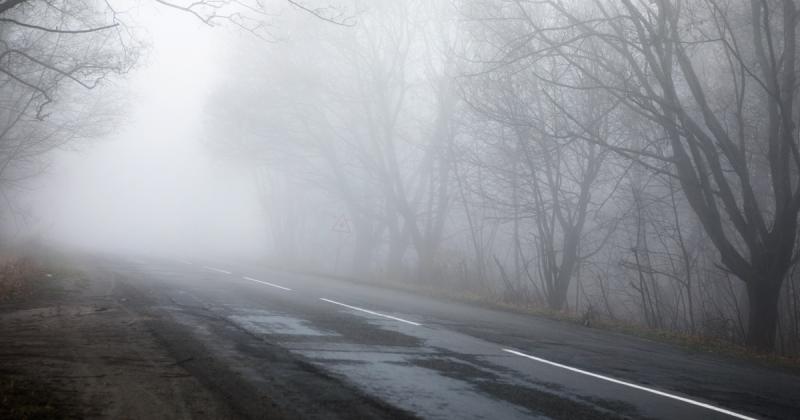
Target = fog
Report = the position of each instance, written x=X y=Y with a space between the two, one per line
x=532 y=154
x=151 y=186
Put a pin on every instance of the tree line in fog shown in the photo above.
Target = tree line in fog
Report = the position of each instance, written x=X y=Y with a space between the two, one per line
x=624 y=160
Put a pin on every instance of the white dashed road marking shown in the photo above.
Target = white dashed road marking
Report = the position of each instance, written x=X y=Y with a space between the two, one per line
x=216 y=269
x=266 y=283
x=514 y=352
x=371 y=312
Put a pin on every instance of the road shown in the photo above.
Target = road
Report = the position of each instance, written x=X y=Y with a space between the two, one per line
x=425 y=357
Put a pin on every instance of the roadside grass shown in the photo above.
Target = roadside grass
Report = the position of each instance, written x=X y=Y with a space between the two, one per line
x=704 y=344
x=18 y=276
x=690 y=342
x=28 y=271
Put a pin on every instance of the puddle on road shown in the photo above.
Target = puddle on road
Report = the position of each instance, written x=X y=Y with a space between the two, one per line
x=265 y=322
x=399 y=379
x=391 y=370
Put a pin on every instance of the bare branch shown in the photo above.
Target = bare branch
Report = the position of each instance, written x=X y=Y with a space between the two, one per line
x=321 y=14
x=59 y=31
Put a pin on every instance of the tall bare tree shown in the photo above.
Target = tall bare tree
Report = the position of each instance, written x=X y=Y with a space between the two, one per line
x=719 y=79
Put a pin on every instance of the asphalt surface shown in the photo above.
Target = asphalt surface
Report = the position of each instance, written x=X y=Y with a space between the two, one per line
x=414 y=356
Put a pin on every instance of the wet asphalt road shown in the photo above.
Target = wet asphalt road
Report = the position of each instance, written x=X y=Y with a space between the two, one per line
x=440 y=359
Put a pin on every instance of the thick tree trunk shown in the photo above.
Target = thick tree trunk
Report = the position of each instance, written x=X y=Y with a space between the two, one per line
x=762 y=313
x=558 y=296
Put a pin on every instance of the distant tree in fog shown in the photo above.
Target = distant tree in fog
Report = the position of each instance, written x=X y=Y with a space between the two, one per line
x=641 y=155
x=49 y=54
x=53 y=52
x=554 y=176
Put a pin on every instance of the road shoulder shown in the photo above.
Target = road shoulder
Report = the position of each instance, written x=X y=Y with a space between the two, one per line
x=98 y=343
x=72 y=349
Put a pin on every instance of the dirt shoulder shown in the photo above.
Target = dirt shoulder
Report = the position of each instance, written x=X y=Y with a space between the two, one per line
x=69 y=348
x=98 y=343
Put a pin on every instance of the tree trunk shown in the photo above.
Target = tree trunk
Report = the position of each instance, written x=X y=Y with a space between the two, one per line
x=762 y=313
x=558 y=296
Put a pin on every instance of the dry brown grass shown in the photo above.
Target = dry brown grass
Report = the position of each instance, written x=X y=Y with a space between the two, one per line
x=17 y=275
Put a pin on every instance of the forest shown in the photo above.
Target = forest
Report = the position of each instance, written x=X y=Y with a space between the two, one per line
x=626 y=161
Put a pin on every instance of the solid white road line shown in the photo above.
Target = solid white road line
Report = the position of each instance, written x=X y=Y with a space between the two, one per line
x=639 y=387
x=184 y=261
x=266 y=283
x=216 y=269
x=370 y=312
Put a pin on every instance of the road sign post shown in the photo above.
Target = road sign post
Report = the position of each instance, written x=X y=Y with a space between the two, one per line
x=341 y=227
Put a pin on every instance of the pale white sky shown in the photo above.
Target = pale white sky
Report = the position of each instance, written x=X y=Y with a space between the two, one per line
x=152 y=185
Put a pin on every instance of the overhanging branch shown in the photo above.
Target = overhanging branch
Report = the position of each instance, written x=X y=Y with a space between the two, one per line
x=56 y=30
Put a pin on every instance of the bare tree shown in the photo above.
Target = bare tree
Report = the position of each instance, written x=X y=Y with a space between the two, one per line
x=719 y=79
x=554 y=176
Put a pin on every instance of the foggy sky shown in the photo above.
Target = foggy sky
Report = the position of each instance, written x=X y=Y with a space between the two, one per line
x=150 y=186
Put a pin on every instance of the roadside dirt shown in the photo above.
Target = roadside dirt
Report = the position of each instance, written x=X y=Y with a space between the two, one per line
x=71 y=349
x=96 y=344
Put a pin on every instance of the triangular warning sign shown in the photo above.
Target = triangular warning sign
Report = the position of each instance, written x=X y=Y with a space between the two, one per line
x=341 y=225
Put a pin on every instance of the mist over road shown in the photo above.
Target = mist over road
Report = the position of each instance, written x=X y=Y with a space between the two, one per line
x=425 y=357
x=626 y=166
